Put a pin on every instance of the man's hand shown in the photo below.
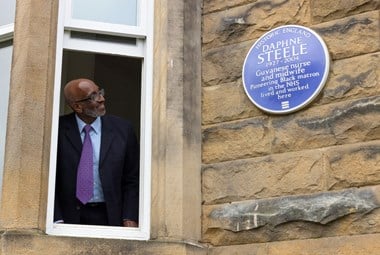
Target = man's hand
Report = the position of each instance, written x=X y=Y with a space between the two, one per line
x=130 y=223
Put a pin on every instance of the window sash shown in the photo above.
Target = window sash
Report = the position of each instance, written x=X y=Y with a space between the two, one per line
x=6 y=32
x=138 y=31
x=90 y=45
x=143 y=49
x=5 y=76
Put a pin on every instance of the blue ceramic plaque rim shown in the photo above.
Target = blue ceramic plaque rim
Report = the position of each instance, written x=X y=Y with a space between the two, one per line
x=318 y=59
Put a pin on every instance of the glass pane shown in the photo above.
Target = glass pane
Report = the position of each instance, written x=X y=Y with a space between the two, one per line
x=7 y=11
x=5 y=75
x=122 y=12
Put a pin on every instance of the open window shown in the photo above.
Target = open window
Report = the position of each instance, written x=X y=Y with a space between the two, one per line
x=7 y=16
x=109 y=42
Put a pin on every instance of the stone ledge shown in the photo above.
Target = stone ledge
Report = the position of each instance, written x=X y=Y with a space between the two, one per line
x=343 y=245
x=36 y=242
x=325 y=214
x=320 y=208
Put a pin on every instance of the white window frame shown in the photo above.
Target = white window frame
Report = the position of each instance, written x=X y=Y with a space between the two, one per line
x=138 y=31
x=6 y=33
x=144 y=50
x=4 y=100
x=117 y=48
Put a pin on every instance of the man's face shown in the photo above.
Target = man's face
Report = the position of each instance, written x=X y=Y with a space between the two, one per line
x=94 y=109
x=90 y=101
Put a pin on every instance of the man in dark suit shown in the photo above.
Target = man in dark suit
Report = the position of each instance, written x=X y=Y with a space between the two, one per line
x=114 y=193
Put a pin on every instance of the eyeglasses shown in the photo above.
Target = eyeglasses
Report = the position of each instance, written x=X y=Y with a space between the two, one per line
x=93 y=97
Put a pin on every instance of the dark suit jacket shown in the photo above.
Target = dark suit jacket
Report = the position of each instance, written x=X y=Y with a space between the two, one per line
x=118 y=170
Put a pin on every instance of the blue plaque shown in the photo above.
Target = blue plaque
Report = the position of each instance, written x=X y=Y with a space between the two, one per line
x=285 y=69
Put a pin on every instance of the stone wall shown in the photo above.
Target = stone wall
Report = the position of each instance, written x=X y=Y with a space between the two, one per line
x=175 y=226
x=310 y=174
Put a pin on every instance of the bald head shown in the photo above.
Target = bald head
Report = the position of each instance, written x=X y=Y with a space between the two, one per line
x=77 y=89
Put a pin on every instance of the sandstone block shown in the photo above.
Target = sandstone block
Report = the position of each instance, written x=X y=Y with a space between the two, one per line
x=218 y=5
x=239 y=139
x=353 y=165
x=352 y=78
x=263 y=177
x=15 y=242
x=333 y=124
x=347 y=166
x=226 y=102
x=323 y=11
x=223 y=65
x=344 y=245
x=351 y=36
x=247 y=22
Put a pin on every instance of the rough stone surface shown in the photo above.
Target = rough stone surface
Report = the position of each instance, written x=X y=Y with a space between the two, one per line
x=352 y=78
x=263 y=177
x=223 y=65
x=323 y=126
x=219 y=5
x=351 y=36
x=323 y=11
x=240 y=139
x=326 y=148
x=354 y=224
x=242 y=23
x=320 y=208
x=332 y=124
x=346 y=245
x=226 y=102
x=303 y=172
x=33 y=242
x=353 y=166
x=295 y=217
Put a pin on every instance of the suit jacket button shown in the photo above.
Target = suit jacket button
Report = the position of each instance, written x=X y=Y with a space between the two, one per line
x=78 y=207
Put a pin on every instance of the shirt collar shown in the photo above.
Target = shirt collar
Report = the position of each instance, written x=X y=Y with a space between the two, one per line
x=96 y=125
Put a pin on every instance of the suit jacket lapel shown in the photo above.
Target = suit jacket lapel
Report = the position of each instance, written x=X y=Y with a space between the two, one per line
x=106 y=140
x=72 y=133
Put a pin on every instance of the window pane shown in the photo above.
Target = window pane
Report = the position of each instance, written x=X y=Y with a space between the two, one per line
x=122 y=12
x=7 y=11
x=5 y=75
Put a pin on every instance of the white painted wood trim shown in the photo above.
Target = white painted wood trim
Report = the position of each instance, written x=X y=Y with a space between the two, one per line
x=6 y=32
x=145 y=50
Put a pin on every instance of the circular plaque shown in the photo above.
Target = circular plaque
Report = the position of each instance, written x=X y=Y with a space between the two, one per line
x=285 y=69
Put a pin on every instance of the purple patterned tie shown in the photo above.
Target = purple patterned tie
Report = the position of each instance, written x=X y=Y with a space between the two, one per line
x=85 y=175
